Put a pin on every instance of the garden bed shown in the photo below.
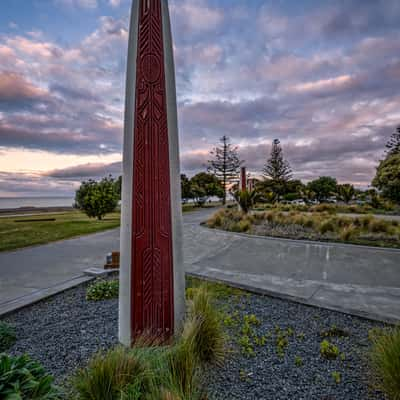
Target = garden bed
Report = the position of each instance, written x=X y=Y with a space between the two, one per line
x=274 y=345
x=323 y=227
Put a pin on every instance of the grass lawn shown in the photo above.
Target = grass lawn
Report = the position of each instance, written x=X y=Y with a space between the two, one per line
x=14 y=235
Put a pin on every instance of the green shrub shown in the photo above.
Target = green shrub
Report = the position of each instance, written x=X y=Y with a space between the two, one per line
x=107 y=375
x=22 y=378
x=385 y=361
x=203 y=328
x=329 y=350
x=337 y=377
x=102 y=290
x=7 y=336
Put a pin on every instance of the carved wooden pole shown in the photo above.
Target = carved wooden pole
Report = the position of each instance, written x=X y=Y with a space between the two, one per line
x=151 y=274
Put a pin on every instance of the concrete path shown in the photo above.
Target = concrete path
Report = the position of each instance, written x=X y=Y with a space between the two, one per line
x=357 y=279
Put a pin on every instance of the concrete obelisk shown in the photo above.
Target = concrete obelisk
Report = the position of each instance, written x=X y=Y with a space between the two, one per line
x=151 y=301
x=243 y=179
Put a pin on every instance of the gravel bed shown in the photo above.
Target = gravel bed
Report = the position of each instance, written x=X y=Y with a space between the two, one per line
x=64 y=331
x=267 y=375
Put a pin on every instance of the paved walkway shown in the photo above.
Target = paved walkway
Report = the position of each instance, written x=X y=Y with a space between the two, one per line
x=357 y=279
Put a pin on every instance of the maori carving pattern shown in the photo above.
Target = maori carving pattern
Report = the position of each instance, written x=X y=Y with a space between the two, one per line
x=152 y=283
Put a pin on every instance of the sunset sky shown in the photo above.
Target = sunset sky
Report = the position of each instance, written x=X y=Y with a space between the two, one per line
x=322 y=76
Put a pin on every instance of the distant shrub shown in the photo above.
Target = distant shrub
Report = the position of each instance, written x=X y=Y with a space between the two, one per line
x=329 y=350
x=385 y=361
x=7 y=336
x=330 y=208
x=380 y=226
x=22 y=378
x=103 y=290
x=348 y=233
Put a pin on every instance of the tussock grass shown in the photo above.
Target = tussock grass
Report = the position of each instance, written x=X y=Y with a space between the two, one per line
x=323 y=225
x=385 y=361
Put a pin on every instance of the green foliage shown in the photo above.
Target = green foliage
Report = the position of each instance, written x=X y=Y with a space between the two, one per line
x=387 y=178
x=97 y=199
x=109 y=374
x=7 y=336
x=328 y=350
x=246 y=199
x=203 y=328
x=22 y=378
x=337 y=377
x=346 y=192
x=323 y=187
x=385 y=361
x=103 y=290
x=335 y=331
x=298 y=361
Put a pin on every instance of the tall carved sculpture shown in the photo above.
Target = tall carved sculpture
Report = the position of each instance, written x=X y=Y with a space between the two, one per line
x=151 y=275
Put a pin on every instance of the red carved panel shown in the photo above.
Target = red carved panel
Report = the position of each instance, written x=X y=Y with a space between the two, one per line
x=152 y=282
x=243 y=179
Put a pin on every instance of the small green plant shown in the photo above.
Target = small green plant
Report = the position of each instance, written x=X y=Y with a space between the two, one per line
x=301 y=336
x=246 y=345
x=298 y=361
x=23 y=378
x=329 y=350
x=281 y=344
x=385 y=361
x=337 y=377
x=251 y=319
x=335 y=331
x=102 y=290
x=7 y=336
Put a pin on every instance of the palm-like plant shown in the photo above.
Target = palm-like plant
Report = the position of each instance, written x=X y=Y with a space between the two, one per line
x=246 y=199
x=346 y=192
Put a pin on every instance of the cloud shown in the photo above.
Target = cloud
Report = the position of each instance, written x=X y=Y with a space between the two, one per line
x=115 y=3
x=88 y=4
x=90 y=170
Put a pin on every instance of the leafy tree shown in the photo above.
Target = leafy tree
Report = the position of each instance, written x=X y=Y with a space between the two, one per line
x=186 y=187
x=209 y=183
x=225 y=164
x=393 y=145
x=199 y=194
x=97 y=199
x=387 y=178
x=323 y=187
x=346 y=192
x=118 y=187
x=277 y=169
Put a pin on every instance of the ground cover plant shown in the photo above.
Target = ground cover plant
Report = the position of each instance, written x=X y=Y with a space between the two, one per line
x=22 y=378
x=15 y=233
x=321 y=226
x=103 y=290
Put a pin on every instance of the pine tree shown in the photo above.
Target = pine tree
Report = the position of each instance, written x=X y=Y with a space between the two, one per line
x=225 y=164
x=277 y=168
x=393 y=145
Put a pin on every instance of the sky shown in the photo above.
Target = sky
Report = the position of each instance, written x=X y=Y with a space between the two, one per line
x=321 y=76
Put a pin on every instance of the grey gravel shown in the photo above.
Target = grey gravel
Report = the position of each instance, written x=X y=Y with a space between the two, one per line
x=64 y=331
x=270 y=376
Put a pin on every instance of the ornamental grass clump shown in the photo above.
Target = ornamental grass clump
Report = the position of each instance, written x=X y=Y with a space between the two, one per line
x=385 y=361
x=103 y=290
x=109 y=375
x=203 y=328
x=7 y=336
x=22 y=378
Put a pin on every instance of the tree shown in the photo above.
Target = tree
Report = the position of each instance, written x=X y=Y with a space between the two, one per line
x=323 y=187
x=186 y=187
x=277 y=169
x=346 y=192
x=225 y=164
x=387 y=178
x=118 y=186
x=393 y=145
x=97 y=199
x=209 y=182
